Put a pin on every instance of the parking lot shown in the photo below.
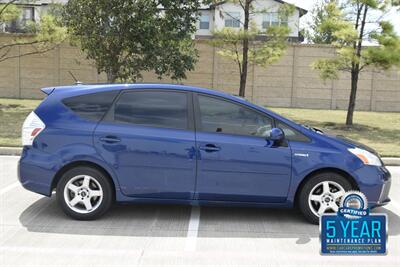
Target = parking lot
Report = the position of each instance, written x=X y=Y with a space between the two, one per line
x=35 y=232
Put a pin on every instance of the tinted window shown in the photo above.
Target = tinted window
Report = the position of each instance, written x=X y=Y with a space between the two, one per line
x=91 y=106
x=292 y=134
x=155 y=109
x=221 y=116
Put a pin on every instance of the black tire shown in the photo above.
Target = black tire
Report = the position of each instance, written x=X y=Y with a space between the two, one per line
x=310 y=184
x=102 y=179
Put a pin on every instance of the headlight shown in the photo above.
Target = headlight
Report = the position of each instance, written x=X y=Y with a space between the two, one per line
x=367 y=157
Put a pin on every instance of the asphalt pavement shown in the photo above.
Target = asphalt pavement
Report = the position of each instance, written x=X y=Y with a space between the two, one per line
x=35 y=232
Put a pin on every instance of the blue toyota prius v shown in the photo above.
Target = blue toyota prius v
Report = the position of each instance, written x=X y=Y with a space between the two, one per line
x=99 y=144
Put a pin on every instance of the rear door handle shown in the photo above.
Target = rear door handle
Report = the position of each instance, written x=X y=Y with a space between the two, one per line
x=110 y=139
x=210 y=148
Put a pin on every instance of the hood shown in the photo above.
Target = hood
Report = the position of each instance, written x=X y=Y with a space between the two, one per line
x=342 y=139
x=351 y=142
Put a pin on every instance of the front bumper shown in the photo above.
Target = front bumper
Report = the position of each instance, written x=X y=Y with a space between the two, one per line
x=375 y=183
x=384 y=197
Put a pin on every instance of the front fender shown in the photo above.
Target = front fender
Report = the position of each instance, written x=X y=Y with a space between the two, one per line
x=310 y=161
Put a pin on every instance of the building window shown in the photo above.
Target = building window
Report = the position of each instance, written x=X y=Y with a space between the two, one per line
x=283 y=21
x=232 y=19
x=20 y=25
x=28 y=14
x=204 y=22
x=273 y=19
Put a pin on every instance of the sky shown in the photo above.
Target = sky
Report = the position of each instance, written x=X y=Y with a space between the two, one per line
x=393 y=16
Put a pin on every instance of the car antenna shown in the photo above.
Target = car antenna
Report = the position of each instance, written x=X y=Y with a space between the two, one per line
x=73 y=77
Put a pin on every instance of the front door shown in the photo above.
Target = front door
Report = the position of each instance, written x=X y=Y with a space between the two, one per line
x=236 y=162
x=148 y=139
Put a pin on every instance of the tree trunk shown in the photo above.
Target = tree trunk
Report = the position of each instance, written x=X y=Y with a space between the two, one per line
x=353 y=95
x=355 y=69
x=245 y=59
x=111 y=76
x=243 y=75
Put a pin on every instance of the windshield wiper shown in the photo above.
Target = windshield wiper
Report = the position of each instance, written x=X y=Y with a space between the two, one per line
x=313 y=129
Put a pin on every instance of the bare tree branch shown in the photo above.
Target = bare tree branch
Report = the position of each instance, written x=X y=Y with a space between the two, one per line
x=29 y=53
x=8 y=49
x=22 y=43
x=7 y=5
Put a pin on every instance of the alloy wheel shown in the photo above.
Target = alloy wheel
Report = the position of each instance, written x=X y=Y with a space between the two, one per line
x=325 y=197
x=83 y=194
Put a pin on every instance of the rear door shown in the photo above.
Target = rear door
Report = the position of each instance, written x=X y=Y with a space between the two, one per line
x=149 y=140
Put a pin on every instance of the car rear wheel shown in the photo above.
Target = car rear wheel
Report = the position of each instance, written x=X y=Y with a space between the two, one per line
x=322 y=194
x=84 y=193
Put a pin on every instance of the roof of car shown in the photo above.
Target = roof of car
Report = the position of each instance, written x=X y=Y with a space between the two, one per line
x=92 y=88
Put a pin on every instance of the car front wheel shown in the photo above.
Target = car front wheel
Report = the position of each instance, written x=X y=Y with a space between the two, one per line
x=322 y=194
x=84 y=193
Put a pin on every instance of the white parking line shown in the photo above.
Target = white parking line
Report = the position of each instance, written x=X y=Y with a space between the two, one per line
x=69 y=251
x=8 y=188
x=193 y=229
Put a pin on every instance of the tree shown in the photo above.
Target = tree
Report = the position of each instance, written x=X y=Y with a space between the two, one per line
x=325 y=19
x=126 y=38
x=39 y=37
x=241 y=45
x=352 y=26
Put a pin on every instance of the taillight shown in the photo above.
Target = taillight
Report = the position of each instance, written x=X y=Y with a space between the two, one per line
x=31 y=128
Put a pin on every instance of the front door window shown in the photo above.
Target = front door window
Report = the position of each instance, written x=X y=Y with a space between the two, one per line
x=220 y=116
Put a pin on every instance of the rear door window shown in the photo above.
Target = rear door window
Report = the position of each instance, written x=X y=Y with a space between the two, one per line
x=161 y=109
x=91 y=106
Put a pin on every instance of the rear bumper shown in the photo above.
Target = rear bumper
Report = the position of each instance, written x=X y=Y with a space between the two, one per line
x=36 y=171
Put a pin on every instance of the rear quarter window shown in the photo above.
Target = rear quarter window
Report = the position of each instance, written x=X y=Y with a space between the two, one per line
x=91 y=106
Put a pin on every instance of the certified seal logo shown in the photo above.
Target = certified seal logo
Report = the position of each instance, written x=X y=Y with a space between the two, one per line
x=353 y=230
x=353 y=205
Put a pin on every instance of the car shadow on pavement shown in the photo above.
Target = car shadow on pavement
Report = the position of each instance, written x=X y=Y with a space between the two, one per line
x=172 y=221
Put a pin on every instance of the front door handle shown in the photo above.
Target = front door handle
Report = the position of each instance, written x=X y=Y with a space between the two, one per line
x=210 y=148
x=110 y=139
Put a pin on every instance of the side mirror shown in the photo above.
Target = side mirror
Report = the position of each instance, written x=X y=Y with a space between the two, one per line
x=277 y=136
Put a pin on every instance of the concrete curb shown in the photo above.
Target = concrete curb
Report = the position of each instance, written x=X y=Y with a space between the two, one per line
x=10 y=151
x=16 y=151
x=391 y=161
